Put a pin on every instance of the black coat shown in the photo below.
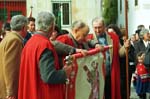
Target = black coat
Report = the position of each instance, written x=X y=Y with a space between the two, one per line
x=147 y=57
x=27 y=37
x=139 y=46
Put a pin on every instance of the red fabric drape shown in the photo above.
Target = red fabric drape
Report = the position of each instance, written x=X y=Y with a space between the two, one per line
x=31 y=85
x=115 y=69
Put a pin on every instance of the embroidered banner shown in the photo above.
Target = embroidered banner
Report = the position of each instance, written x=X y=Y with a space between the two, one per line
x=87 y=77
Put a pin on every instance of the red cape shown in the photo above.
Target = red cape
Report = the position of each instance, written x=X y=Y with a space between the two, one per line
x=66 y=40
x=30 y=84
x=70 y=91
x=115 y=68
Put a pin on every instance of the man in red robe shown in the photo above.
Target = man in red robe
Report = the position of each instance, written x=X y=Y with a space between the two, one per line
x=112 y=67
x=41 y=76
x=77 y=39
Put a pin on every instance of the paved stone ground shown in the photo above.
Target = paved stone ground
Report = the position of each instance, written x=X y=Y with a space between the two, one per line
x=133 y=93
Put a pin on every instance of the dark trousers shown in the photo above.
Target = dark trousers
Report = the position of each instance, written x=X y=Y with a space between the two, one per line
x=142 y=96
x=123 y=82
x=107 y=87
x=123 y=87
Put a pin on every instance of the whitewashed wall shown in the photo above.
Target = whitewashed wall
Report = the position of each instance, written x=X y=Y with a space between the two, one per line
x=137 y=15
x=86 y=10
x=38 y=5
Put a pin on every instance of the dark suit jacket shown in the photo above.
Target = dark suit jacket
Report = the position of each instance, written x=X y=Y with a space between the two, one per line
x=27 y=37
x=139 y=46
x=147 y=57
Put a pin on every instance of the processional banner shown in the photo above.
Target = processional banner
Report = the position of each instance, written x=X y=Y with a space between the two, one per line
x=87 y=78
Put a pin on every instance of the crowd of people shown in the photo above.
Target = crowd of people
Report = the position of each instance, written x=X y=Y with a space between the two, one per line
x=32 y=53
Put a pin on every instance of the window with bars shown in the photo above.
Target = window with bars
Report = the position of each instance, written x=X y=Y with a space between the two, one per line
x=120 y=6
x=61 y=11
x=136 y=3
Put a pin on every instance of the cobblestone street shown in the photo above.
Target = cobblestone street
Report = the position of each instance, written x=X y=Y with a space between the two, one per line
x=133 y=93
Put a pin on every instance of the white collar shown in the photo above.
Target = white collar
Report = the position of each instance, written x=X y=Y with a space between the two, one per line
x=145 y=43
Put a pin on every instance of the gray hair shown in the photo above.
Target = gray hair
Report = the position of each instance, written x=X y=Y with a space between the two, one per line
x=98 y=19
x=44 y=21
x=78 y=24
x=18 y=22
x=144 y=31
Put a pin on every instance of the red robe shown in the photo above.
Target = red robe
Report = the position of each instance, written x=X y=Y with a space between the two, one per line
x=31 y=85
x=70 y=89
x=66 y=39
x=115 y=69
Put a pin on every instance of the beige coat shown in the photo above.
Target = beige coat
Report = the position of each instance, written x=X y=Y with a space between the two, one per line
x=10 y=53
x=122 y=50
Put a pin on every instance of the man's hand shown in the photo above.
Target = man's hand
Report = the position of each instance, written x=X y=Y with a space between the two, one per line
x=68 y=69
x=100 y=47
x=84 y=52
x=110 y=46
x=127 y=43
x=11 y=97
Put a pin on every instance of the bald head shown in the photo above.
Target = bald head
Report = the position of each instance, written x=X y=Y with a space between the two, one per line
x=98 y=20
x=78 y=24
x=79 y=31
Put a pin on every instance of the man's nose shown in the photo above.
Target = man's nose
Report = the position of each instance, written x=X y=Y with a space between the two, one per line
x=97 y=30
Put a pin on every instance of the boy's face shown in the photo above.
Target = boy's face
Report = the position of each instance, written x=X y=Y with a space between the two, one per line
x=141 y=58
x=31 y=26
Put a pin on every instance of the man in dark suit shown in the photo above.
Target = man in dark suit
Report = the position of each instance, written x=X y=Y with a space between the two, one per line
x=132 y=58
x=142 y=44
x=31 y=29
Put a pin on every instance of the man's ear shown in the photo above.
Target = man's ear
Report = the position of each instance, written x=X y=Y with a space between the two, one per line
x=24 y=31
x=24 y=28
x=75 y=30
x=51 y=29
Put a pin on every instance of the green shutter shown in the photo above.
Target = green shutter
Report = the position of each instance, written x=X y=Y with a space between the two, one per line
x=3 y=14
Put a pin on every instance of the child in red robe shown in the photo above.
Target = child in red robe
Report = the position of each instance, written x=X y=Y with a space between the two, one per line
x=142 y=77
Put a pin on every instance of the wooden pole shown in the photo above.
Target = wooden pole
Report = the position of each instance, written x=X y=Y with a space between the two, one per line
x=127 y=62
x=31 y=7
